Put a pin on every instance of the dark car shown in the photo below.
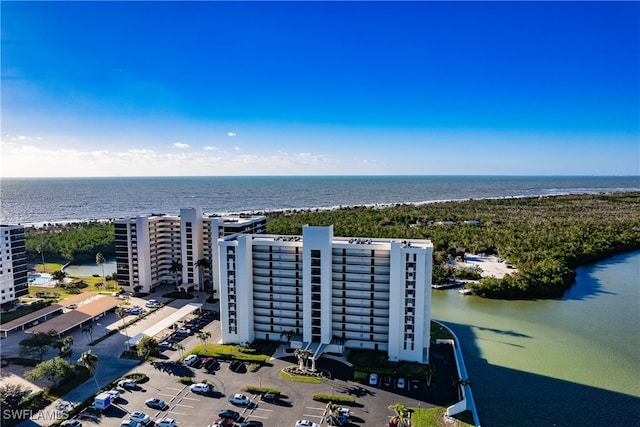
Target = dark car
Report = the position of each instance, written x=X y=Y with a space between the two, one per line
x=269 y=397
x=229 y=413
x=155 y=403
x=209 y=362
x=236 y=366
x=251 y=423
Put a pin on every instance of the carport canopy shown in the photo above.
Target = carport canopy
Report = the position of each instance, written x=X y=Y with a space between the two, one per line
x=166 y=323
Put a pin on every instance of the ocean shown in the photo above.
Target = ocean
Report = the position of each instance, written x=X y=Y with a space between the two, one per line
x=41 y=200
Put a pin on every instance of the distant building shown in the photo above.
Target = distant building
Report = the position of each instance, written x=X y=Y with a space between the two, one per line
x=13 y=264
x=156 y=249
x=327 y=292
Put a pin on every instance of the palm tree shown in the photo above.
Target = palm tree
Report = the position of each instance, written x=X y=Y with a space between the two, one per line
x=202 y=263
x=204 y=337
x=122 y=313
x=400 y=418
x=59 y=276
x=100 y=261
x=176 y=267
x=180 y=348
x=288 y=334
x=333 y=413
x=340 y=340
x=88 y=332
x=90 y=361
x=41 y=252
x=429 y=371
x=303 y=356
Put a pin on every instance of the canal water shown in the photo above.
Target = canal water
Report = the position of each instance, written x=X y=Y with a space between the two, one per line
x=564 y=362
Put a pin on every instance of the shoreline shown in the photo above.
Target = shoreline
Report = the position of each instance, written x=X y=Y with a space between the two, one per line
x=39 y=224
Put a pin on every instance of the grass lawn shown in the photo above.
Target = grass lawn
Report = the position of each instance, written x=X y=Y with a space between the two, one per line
x=259 y=352
x=434 y=417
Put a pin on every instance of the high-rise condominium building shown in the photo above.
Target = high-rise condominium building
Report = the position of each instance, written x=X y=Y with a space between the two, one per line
x=182 y=249
x=326 y=292
x=13 y=264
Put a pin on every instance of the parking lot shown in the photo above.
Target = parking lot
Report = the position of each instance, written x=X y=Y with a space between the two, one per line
x=193 y=409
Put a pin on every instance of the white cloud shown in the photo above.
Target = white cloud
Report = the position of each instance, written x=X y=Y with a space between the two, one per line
x=236 y=148
x=231 y=134
x=209 y=148
x=180 y=145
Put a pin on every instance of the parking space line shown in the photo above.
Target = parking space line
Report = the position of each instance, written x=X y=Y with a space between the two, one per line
x=191 y=398
x=176 y=389
x=184 y=406
x=177 y=413
x=168 y=395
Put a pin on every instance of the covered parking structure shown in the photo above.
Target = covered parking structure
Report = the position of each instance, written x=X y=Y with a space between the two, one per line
x=43 y=314
x=166 y=322
x=83 y=314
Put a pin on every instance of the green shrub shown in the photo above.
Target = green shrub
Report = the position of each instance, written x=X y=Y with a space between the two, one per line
x=140 y=377
x=339 y=400
x=261 y=390
x=186 y=380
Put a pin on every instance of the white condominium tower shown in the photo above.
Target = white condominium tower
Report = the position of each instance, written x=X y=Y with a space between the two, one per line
x=178 y=249
x=328 y=292
x=13 y=264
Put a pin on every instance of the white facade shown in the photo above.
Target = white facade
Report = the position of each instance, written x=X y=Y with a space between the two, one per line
x=178 y=249
x=328 y=291
x=13 y=264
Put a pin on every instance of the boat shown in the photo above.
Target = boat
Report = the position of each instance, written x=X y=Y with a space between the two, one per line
x=465 y=291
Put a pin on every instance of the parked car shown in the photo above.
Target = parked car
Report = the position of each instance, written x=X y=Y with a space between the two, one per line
x=72 y=306
x=373 y=378
x=209 y=362
x=200 y=388
x=269 y=397
x=155 y=403
x=306 y=423
x=128 y=384
x=165 y=345
x=130 y=423
x=386 y=381
x=236 y=365
x=401 y=383
x=166 y=422
x=222 y=422
x=230 y=414
x=71 y=423
x=140 y=417
x=191 y=360
x=136 y=310
x=251 y=423
x=183 y=331
x=115 y=394
x=152 y=303
x=240 y=399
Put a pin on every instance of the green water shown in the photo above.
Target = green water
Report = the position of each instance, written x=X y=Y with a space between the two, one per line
x=566 y=362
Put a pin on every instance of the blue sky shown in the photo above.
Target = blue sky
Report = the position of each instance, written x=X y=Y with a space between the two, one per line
x=320 y=88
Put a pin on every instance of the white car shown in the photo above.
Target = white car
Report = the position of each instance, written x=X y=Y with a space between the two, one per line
x=130 y=423
x=136 y=310
x=152 y=303
x=401 y=383
x=191 y=360
x=165 y=345
x=373 y=379
x=128 y=384
x=183 y=331
x=114 y=393
x=140 y=417
x=240 y=399
x=166 y=422
x=306 y=423
x=200 y=388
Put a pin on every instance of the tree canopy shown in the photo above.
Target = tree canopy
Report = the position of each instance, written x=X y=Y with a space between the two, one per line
x=546 y=238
